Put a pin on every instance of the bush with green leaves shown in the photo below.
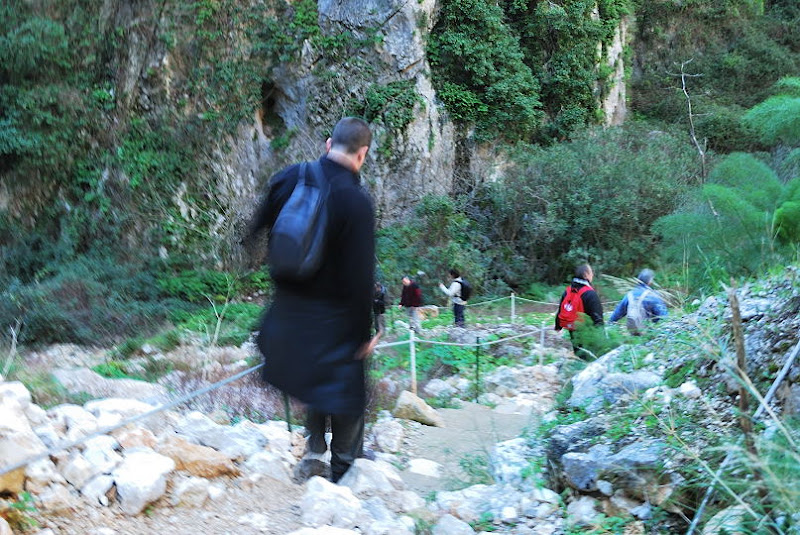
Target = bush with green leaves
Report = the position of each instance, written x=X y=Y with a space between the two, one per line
x=738 y=48
x=777 y=120
x=479 y=71
x=86 y=301
x=560 y=41
x=787 y=216
x=436 y=239
x=592 y=199
x=726 y=227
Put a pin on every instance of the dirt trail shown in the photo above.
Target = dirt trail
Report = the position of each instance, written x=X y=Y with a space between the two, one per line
x=470 y=432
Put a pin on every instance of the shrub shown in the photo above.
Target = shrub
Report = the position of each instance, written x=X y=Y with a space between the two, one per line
x=479 y=72
x=86 y=301
x=787 y=216
x=735 y=210
x=776 y=120
x=594 y=198
x=199 y=285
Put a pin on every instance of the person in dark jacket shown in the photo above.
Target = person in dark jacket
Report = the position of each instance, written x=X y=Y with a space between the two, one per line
x=590 y=304
x=411 y=299
x=316 y=333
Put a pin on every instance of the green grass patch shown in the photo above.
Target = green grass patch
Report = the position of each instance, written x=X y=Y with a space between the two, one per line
x=230 y=324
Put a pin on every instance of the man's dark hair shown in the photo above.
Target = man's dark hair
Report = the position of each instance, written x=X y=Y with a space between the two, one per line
x=582 y=271
x=454 y=273
x=350 y=134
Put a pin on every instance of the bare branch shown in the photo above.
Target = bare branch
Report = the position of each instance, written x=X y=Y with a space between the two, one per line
x=12 y=352
x=701 y=148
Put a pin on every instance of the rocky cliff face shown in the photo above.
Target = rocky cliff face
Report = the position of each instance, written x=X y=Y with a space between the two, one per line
x=236 y=100
x=614 y=104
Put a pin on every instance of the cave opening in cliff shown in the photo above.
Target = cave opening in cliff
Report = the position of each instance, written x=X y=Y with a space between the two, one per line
x=273 y=123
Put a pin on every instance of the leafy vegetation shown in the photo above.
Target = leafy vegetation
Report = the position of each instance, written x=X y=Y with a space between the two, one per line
x=479 y=71
x=748 y=213
x=738 y=48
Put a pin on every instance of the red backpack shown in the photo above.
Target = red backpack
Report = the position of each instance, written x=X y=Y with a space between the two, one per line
x=572 y=307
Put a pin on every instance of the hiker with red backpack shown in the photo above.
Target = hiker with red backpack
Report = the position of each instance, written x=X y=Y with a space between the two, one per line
x=578 y=302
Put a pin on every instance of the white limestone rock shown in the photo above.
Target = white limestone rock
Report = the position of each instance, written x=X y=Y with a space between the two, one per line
x=15 y=390
x=191 y=492
x=17 y=441
x=215 y=492
x=96 y=490
x=85 y=380
x=111 y=411
x=238 y=442
x=141 y=479
x=257 y=521
x=425 y=467
x=467 y=504
x=509 y=460
x=327 y=504
x=438 y=388
x=450 y=525
x=269 y=464
x=367 y=478
x=41 y=474
x=77 y=421
x=56 y=499
x=48 y=434
x=36 y=415
x=77 y=470
x=545 y=496
x=279 y=440
x=101 y=453
x=690 y=390
x=582 y=512
x=411 y=407
x=388 y=435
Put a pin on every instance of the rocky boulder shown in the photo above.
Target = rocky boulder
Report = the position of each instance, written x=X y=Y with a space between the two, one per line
x=411 y=407
x=141 y=479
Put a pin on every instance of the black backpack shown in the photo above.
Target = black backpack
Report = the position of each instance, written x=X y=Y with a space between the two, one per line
x=466 y=290
x=297 y=239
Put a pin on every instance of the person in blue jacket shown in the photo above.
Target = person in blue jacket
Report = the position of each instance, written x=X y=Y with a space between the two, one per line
x=640 y=305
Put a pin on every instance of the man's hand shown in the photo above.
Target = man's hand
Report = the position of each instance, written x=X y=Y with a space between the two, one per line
x=366 y=349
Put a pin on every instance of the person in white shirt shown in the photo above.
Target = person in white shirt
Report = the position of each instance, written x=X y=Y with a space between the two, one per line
x=454 y=293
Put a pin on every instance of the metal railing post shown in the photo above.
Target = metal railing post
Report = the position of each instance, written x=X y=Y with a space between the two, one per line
x=513 y=307
x=541 y=343
x=477 y=368
x=413 y=352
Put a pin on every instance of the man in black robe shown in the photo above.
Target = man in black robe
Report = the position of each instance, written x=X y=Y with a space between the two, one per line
x=316 y=333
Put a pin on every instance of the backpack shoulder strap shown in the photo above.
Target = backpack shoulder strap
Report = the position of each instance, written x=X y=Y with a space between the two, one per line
x=302 y=172
x=584 y=289
x=320 y=179
x=641 y=297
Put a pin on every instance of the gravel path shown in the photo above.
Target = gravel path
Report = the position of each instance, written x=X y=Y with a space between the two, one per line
x=469 y=434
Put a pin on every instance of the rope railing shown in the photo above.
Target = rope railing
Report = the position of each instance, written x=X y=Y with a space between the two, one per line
x=413 y=341
x=106 y=430
x=63 y=446
x=480 y=303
